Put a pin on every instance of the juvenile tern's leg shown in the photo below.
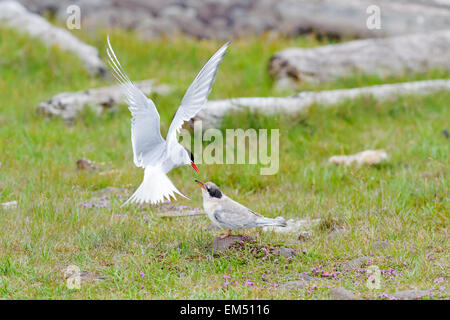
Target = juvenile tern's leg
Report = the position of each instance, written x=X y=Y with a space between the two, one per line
x=223 y=236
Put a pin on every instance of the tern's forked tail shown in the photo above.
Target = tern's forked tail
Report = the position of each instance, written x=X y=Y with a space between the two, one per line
x=277 y=222
x=155 y=188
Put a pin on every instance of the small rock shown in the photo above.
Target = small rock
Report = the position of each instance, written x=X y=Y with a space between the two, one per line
x=294 y=285
x=224 y=244
x=341 y=293
x=9 y=205
x=412 y=294
x=284 y=252
x=301 y=280
x=86 y=164
x=305 y=235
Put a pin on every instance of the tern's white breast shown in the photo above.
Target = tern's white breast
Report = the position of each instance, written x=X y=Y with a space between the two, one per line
x=210 y=207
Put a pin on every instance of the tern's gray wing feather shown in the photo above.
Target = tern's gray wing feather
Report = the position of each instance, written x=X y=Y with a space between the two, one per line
x=233 y=215
x=148 y=144
x=196 y=95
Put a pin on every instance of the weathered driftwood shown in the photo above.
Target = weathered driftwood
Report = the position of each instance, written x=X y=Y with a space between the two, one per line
x=211 y=115
x=180 y=213
x=416 y=53
x=352 y=17
x=67 y=104
x=14 y=15
x=9 y=205
x=226 y=19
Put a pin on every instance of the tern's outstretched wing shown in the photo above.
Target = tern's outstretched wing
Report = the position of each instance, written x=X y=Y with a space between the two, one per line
x=197 y=93
x=146 y=138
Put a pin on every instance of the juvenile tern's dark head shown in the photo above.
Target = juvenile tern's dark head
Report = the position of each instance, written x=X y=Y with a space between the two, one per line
x=211 y=189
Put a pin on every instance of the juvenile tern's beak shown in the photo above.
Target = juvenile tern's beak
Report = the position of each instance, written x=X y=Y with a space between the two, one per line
x=201 y=184
x=194 y=166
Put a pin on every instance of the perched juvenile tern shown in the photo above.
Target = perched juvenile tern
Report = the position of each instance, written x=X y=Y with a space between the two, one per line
x=228 y=214
x=150 y=150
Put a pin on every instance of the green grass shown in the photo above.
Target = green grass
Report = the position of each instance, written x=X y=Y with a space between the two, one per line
x=404 y=201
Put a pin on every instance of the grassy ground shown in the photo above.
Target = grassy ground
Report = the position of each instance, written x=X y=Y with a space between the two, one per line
x=404 y=201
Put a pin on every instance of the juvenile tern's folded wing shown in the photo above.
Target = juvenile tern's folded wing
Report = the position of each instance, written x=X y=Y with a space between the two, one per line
x=235 y=215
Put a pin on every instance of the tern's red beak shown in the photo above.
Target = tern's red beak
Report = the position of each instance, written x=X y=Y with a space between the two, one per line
x=194 y=166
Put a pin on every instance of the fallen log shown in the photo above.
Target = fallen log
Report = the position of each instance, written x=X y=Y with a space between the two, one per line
x=211 y=115
x=177 y=214
x=67 y=104
x=417 y=53
x=237 y=18
x=358 y=17
x=14 y=15
x=9 y=205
